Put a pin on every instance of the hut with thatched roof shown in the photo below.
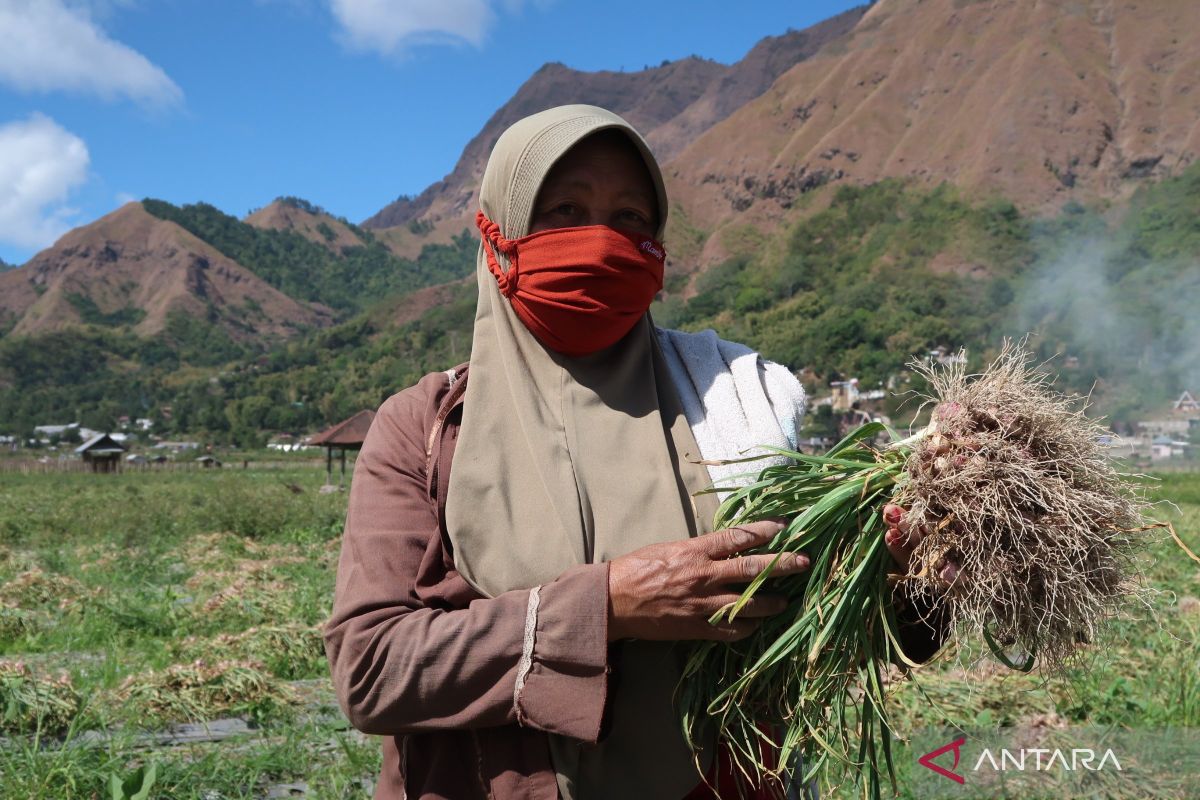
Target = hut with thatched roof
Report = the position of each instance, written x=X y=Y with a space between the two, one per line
x=348 y=434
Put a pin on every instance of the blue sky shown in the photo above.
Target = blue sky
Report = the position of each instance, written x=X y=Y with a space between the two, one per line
x=347 y=103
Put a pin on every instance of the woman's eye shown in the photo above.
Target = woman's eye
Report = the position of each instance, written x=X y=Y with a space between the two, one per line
x=633 y=217
x=566 y=209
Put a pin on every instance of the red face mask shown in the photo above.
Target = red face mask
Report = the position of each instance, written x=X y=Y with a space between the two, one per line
x=578 y=290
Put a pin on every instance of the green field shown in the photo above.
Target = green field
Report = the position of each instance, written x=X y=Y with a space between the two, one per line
x=133 y=602
x=123 y=583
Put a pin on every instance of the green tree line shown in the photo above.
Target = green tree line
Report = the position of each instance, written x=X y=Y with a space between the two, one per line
x=346 y=281
x=878 y=275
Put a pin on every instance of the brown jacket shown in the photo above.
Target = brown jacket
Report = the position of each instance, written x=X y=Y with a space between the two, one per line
x=420 y=657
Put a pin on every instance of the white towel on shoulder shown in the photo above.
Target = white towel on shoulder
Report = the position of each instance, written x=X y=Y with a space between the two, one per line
x=734 y=400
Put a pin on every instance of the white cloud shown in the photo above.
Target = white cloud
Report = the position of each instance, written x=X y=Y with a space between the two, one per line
x=48 y=45
x=40 y=163
x=390 y=26
x=122 y=198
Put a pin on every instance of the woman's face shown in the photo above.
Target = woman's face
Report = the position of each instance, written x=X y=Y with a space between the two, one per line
x=600 y=181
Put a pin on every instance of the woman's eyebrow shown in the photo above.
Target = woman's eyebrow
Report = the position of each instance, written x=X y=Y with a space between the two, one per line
x=635 y=194
x=567 y=185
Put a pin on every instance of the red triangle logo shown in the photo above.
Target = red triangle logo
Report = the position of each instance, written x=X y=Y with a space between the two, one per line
x=927 y=760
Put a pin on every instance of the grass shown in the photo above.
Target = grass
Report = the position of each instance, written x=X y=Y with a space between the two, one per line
x=121 y=583
x=133 y=602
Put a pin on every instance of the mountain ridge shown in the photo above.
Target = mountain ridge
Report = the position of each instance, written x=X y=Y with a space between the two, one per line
x=1039 y=103
x=669 y=104
x=312 y=222
x=132 y=267
x=892 y=191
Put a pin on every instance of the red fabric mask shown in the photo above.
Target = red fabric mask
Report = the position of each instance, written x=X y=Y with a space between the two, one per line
x=578 y=290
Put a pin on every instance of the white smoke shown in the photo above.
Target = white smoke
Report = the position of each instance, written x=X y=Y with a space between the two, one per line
x=1134 y=325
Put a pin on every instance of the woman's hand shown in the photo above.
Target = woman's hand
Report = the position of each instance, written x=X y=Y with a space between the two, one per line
x=668 y=591
x=902 y=538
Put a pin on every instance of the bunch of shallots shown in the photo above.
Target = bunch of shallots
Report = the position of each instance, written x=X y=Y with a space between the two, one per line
x=1010 y=482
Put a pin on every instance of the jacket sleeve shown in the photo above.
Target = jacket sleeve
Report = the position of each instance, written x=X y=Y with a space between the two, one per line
x=532 y=657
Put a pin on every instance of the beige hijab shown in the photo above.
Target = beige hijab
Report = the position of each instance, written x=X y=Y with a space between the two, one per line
x=563 y=461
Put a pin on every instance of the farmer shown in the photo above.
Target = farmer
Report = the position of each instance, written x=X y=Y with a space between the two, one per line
x=524 y=541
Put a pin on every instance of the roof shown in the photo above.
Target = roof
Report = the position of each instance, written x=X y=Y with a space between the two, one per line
x=100 y=444
x=347 y=433
x=51 y=430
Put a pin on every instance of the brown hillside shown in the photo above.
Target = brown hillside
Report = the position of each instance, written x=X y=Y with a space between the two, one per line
x=746 y=80
x=17 y=293
x=413 y=306
x=670 y=104
x=647 y=98
x=402 y=241
x=283 y=216
x=131 y=259
x=1038 y=100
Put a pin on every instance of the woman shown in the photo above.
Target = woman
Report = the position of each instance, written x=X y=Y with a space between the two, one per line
x=508 y=623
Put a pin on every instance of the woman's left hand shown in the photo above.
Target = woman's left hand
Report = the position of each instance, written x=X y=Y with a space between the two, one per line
x=902 y=538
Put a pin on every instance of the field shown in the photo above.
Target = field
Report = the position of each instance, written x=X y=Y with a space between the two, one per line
x=132 y=604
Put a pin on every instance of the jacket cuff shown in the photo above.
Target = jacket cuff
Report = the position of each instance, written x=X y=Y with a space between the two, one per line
x=565 y=686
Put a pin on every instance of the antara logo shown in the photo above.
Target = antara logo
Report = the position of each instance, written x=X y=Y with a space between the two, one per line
x=1036 y=758
x=927 y=760
x=1078 y=758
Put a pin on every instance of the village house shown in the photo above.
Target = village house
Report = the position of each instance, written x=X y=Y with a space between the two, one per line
x=55 y=430
x=847 y=394
x=945 y=356
x=102 y=452
x=176 y=447
x=1186 y=404
x=1169 y=437
x=1163 y=447
x=1174 y=428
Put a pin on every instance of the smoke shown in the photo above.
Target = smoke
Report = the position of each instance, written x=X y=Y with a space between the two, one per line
x=1117 y=319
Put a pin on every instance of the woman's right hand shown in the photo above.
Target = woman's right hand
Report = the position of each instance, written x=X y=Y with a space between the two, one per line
x=668 y=591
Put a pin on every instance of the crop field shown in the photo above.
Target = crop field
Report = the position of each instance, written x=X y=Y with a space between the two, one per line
x=132 y=603
x=168 y=624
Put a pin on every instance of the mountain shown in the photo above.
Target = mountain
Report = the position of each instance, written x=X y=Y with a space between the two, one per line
x=310 y=221
x=745 y=80
x=918 y=175
x=294 y=247
x=132 y=268
x=1038 y=102
x=647 y=98
x=670 y=104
